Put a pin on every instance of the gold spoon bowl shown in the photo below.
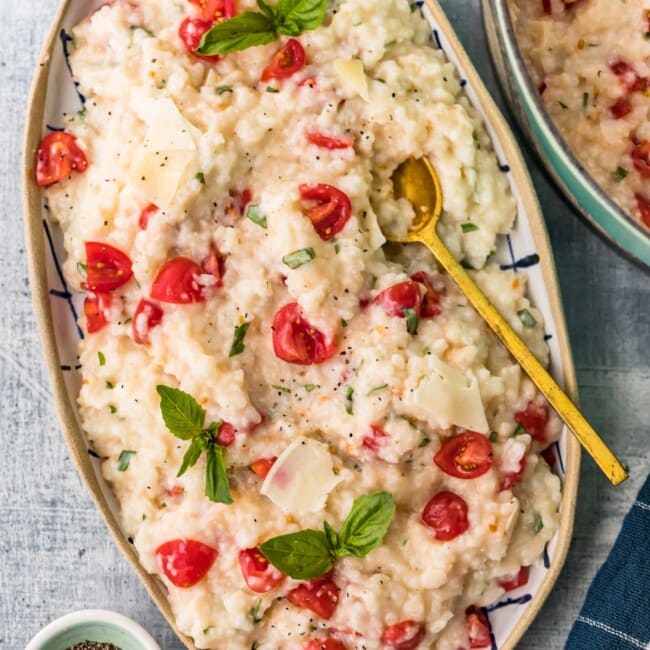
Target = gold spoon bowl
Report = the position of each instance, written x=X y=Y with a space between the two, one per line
x=417 y=181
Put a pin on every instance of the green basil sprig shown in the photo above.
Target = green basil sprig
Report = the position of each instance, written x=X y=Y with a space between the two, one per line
x=251 y=28
x=185 y=418
x=311 y=553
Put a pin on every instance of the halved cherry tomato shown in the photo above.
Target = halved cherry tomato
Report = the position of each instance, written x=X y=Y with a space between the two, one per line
x=296 y=341
x=628 y=76
x=446 y=514
x=405 y=635
x=395 y=299
x=146 y=214
x=326 y=643
x=643 y=206
x=215 y=10
x=329 y=141
x=215 y=264
x=259 y=574
x=534 y=419
x=185 y=561
x=478 y=627
x=321 y=596
x=107 y=267
x=332 y=211
x=177 y=282
x=620 y=108
x=641 y=157
x=191 y=32
x=509 y=479
x=262 y=466
x=509 y=583
x=226 y=435
x=57 y=157
x=431 y=299
x=286 y=61
x=376 y=440
x=95 y=306
x=467 y=455
x=146 y=316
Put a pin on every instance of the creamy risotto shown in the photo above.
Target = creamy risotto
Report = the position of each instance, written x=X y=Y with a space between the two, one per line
x=591 y=62
x=246 y=323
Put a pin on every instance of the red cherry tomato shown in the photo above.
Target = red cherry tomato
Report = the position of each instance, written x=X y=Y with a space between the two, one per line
x=329 y=141
x=641 y=157
x=509 y=479
x=259 y=574
x=262 y=466
x=240 y=200
x=178 y=282
x=643 y=206
x=191 y=32
x=446 y=514
x=549 y=456
x=185 y=561
x=226 y=435
x=146 y=316
x=57 y=157
x=510 y=583
x=534 y=419
x=406 y=635
x=431 y=299
x=376 y=440
x=215 y=264
x=296 y=341
x=286 y=61
x=146 y=214
x=478 y=627
x=405 y=295
x=326 y=643
x=107 y=268
x=320 y=596
x=620 y=108
x=332 y=211
x=215 y=10
x=95 y=307
x=467 y=455
x=628 y=76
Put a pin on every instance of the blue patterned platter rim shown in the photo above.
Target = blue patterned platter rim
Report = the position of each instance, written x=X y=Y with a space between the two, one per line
x=525 y=250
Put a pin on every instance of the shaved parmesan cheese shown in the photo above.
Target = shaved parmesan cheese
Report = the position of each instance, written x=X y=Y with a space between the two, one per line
x=375 y=235
x=301 y=477
x=352 y=77
x=167 y=129
x=448 y=397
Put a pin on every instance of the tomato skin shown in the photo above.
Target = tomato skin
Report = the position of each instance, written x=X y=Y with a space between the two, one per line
x=628 y=76
x=328 y=141
x=620 y=108
x=643 y=206
x=467 y=455
x=511 y=583
x=376 y=440
x=259 y=574
x=262 y=466
x=431 y=299
x=215 y=264
x=58 y=155
x=333 y=209
x=286 y=61
x=146 y=316
x=227 y=434
x=185 y=561
x=146 y=214
x=296 y=341
x=321 y=596
x=395 y=299
x=509 y=479
x=446 y=514
x=641 y=158
x=326 y=643
x=405 y=635
x=534 y=419
x=95 y=306
x=177 y=282
x=478 y=627
x=215 y=10
x=107 y=267
x=191 y=32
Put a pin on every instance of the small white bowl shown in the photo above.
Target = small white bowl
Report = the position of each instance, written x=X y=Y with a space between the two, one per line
x=97 y=625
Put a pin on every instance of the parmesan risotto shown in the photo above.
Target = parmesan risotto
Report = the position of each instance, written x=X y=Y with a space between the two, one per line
x=256 y=360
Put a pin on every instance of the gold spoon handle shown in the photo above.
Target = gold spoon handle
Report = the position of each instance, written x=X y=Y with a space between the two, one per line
x=560 y=401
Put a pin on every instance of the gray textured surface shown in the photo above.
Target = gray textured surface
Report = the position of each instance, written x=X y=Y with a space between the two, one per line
x=56 y=553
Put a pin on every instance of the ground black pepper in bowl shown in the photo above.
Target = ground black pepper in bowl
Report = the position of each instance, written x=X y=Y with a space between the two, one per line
x=93 y=645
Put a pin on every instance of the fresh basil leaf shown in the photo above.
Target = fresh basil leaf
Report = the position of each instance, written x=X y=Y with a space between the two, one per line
x=289 y=28
x=299 y=257
x=124 y=459
x=267 y=10
x=366 y=525
x=331 y=534
x=303 y=555
x=308 y=14
x=191 y=456
x=411 y=320
x=255 y=215
x=238 y=346
x=181 y=412
x=216 y=479
x=239 y=33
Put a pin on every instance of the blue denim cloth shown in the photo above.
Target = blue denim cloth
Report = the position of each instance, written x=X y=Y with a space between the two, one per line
x=616 y=611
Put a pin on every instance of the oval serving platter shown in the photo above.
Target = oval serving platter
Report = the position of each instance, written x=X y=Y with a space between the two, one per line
x=525 y=250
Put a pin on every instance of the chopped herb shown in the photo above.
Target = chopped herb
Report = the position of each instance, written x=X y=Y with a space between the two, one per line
x=254 y=611
x=373 y=281
x=424 y=442
x=526 y=318
x=600 y=72
x=337 y=248
x=538 y=523
x=585 y=100
x=299 y=257
x=271 y=89
x=238 y=346
x=468 y=227
x=282 y=389
x=619 y=174
x=411 y=320
x=475 y=135
x=82 y=268
x=563 y=105
x=344 y=323
x=110 y=385
x=519 y=430
x=124 y=459
x=414 y=8
x=113 y=408
x=255 y=215
x=405 y=541
x=102 y=358
x=379 y=79
x=376 y=389
x=220 y=90
x=310 y=387
x=349 y=398
x=207 y=629
x=593 y=44
x=200 y=177
x=494 y=436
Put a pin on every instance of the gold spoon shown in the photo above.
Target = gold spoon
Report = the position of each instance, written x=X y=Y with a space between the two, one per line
x=417 y=181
